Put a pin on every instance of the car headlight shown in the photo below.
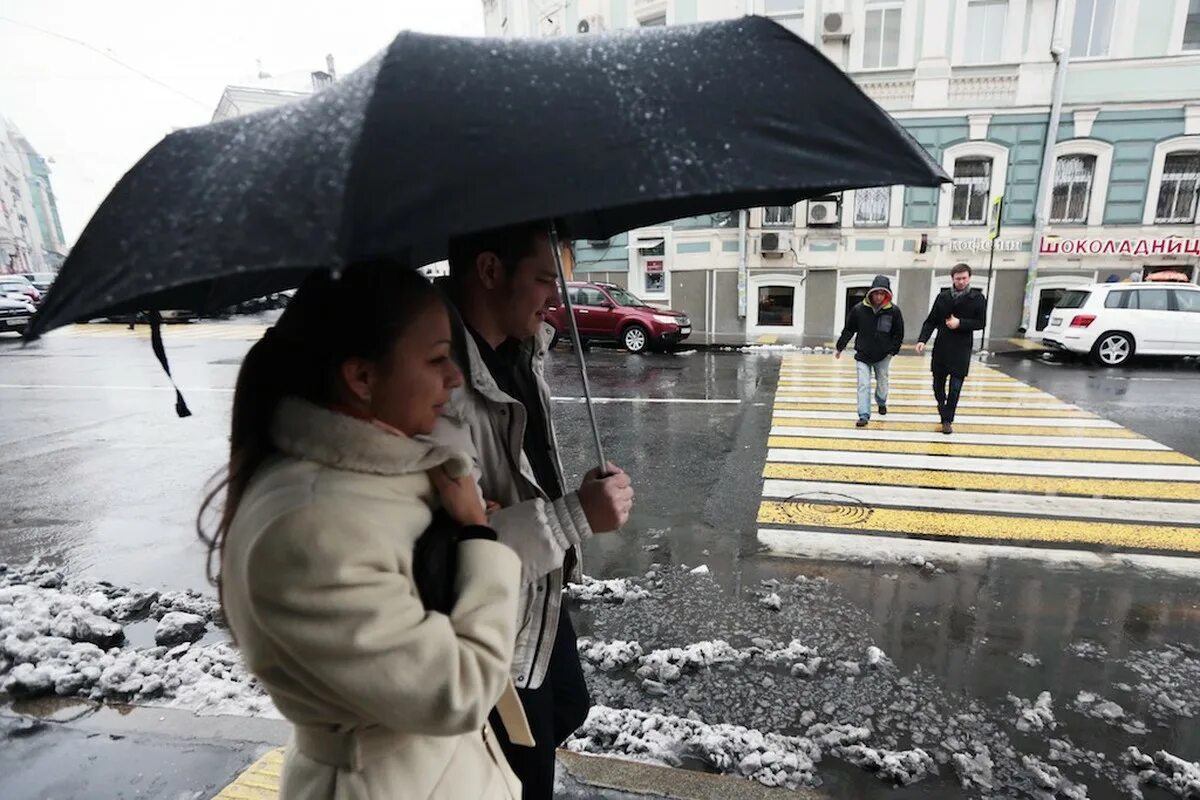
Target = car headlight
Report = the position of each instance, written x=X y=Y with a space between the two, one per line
x=665 y=319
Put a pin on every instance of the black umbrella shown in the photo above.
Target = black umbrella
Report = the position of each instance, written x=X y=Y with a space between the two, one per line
x=441 y=136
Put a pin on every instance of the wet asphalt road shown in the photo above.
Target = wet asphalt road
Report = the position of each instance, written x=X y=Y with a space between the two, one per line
x=100 y=476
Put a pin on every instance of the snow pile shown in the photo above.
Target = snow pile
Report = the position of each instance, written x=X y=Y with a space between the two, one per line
x=669 y=664
x=1086 y=648
x=55 y=637
x=700 y=570
x=1035 y=716
x=1170 y=680
x=1051 y=780
x=609 y=655
x=1107 y=711
x=877 y=659
x=771 y=759
x=615 y=590
x=975 y=769
x=1029 y=660
x=177 y=627
x=189 y=602
x=771 y=601
x=1181 y=778
x=903 y=767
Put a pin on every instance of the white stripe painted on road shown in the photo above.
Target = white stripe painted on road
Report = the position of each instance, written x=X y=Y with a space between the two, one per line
x=860 y=547
x=850 y=397
x=1019 y=466
x=681 y=400
x=925 y=391
x=965 y=419
x=883 y=435
x=1097 y=508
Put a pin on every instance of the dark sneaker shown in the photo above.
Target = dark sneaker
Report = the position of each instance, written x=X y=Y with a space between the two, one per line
x=862 y=422
x=882 y=410
x=947 y=428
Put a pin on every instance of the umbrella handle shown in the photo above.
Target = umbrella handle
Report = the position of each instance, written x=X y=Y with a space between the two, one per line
x=587 y=389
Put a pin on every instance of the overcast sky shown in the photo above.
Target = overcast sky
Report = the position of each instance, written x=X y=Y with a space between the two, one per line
x=95 y=118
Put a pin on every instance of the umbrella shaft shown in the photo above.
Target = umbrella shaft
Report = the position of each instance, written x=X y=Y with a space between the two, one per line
x=587 y=389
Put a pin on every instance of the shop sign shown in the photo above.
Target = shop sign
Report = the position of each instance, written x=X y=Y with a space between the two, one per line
x=654 y=265
x=1120 y=247
x=985 y=245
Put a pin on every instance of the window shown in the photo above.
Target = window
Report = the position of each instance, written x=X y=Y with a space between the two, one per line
x=1187 y=300
x=1120 y=299
x=972 y=191
x=1153 y=299
x=881 y=42
x=779 y=216
x=871 y=206
x=1092 y=29
x=1177 y=190
x=624 y=298
x=985 y=31
x=654 y=22
x=776 y=305
x=788 y=13
x=1191 y=27
x=1073 y=298
x=1072 y=188
x=589 y=297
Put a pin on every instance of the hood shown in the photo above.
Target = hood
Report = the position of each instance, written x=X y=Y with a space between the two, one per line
x=881 y=283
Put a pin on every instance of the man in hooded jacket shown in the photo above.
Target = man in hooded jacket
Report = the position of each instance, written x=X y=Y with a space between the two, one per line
x=879 y=326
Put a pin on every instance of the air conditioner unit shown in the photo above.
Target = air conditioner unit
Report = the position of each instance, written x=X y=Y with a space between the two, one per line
x=591 y=24
x=823 y=211
x=835 y=25
x=774 y=244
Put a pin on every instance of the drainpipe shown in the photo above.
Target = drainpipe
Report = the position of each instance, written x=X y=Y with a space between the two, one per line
x=743 y=272
x=1061 y=52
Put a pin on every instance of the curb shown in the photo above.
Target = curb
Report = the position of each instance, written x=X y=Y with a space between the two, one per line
x=653 y=780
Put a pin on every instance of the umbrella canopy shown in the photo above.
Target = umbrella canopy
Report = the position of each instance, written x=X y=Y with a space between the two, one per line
x=441 y=136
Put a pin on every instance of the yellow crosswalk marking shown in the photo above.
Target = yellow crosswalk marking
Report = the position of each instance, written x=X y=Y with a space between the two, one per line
x=950 y=448
x=849 y=405
x=946 y=479
x=889 y=424
x=260 y=781
x=1179 y=538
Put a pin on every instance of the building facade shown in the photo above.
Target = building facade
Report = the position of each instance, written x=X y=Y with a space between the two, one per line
x=1109 y=193
x=31 y=236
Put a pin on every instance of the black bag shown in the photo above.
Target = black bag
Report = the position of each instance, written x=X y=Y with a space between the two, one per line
x=435 y=562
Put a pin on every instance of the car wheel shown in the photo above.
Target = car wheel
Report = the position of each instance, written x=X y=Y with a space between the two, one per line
x=1113 y=349
x=635 y=339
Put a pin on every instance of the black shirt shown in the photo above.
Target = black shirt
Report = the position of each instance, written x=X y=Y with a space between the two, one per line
x=514 y=375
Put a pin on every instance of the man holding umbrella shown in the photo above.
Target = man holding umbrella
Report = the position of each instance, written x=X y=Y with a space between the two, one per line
x=501 y=283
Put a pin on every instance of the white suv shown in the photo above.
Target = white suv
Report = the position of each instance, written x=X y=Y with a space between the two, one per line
x=1113 y=321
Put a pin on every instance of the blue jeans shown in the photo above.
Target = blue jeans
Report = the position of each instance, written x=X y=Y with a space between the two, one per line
x=864 y=385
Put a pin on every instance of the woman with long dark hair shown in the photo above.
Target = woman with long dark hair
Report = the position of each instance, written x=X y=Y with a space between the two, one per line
x=330 y=485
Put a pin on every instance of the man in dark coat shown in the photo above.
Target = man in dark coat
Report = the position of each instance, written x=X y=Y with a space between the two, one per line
x=956 y=314
x=879 y=326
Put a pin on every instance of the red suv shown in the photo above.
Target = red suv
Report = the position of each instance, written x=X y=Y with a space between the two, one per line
x=609 y=313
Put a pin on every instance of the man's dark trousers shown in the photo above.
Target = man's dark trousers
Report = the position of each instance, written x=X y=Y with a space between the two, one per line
x=555 y=710
x=947 y=402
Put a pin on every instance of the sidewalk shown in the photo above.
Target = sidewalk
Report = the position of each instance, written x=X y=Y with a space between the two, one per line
x=240 y=758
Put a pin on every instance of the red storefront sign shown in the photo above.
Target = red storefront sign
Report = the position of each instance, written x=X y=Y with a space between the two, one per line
x=1120 y=247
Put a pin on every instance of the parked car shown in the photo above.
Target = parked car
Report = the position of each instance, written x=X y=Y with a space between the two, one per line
x=606 y=312
x=11 y=285
x=1112 y=322
x=41 y=280
x=15 y=314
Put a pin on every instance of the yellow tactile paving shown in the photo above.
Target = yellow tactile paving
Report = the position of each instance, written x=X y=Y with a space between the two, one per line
x=976 y=481
x=849 y=405
x=889 y=424
x=981 y=526
x=260 y=781
x=813 y=392
x=950 y=448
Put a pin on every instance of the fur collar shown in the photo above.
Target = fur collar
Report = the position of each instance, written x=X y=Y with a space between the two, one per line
x=303 y=430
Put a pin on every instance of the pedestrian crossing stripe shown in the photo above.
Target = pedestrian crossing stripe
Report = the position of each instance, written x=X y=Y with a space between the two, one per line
x=910 y=386
x=849 y=406
x=951 y=448
x=990 y=527
x=923 y=377
x=1050 y=402
x=260 y=781
x=924 y=392
x=1012 y=482
x=927 y=434
x=1055 y=468
x=884 y=425
x=1110 y=509
x=900 y=415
